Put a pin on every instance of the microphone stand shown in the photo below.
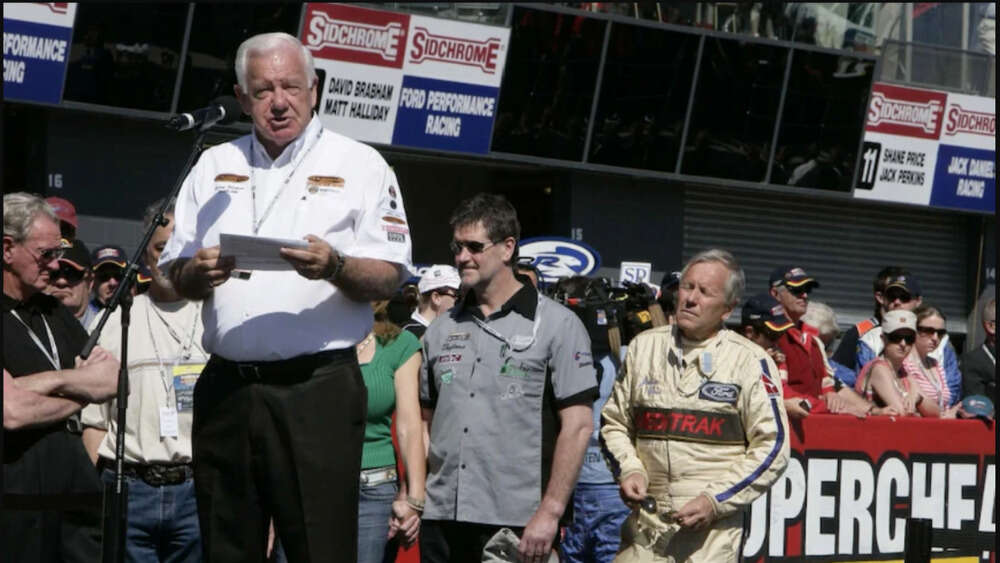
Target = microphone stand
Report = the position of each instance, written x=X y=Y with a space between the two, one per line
x=115 y=510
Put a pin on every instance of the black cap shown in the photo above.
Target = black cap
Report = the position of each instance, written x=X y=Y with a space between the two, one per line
x=109 y=254
x=791 y=276
x=76 y=254
x=762 y=307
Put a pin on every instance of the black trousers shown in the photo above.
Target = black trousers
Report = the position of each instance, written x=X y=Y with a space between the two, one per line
x=445 y=541
x=283 y=443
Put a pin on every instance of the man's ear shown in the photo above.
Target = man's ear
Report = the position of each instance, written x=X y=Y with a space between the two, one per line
x=8 y=249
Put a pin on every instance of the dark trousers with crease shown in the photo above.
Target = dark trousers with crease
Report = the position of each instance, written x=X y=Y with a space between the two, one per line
x=286 y=446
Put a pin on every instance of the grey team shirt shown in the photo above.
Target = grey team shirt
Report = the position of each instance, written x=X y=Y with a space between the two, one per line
x=489 y=441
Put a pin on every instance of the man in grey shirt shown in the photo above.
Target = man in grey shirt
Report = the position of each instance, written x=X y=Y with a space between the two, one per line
x=507 y=385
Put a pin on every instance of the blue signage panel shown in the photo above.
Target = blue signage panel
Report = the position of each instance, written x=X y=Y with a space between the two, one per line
x=965 y=178
x=34 y=60
x=443 y=115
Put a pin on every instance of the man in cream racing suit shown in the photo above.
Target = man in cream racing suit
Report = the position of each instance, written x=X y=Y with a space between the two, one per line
x=695 y=429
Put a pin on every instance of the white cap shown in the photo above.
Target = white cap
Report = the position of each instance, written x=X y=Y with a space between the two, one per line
x=437 y=276
x=897 y=320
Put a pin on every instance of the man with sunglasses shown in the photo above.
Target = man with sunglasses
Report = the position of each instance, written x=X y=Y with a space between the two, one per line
x=438 y=289
x=109 y=269
x=51 y=495
x=72 y=283
x=507 y=385
x=809 y=373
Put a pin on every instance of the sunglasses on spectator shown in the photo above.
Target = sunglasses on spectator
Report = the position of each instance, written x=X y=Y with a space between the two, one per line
x=107 y=274
x=69 y=273
x=49 y=254
x=902 y=296
x=473 y=246
x=896 y=337
x=930 y=331
x=452 y=294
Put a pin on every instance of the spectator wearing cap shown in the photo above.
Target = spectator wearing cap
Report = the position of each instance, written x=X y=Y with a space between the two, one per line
x=763 y=321
x=979 y=365
x=66 y=213
x=72 y=282
x=109 y=268
x=863 y=341
x=809 y=373
x=883 y=380
x=438 y=289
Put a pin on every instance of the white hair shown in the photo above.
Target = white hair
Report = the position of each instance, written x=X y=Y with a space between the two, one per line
x=821 y=316
x=735 y=283
x=265 y=43
x=989 y=308
x=20 y=209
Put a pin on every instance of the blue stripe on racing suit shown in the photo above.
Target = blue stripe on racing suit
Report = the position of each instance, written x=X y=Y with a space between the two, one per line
x=725 y=495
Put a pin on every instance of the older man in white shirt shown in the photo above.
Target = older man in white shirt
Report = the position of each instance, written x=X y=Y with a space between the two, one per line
x=279 y=410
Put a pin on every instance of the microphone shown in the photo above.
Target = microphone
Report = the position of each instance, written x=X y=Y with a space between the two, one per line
x=222 y=111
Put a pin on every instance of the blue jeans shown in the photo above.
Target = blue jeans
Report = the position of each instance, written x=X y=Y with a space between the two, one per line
x=374 y=510
x=162 y=522
x=598 y=515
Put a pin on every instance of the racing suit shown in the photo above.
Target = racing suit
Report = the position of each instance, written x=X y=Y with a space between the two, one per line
x=709 y=421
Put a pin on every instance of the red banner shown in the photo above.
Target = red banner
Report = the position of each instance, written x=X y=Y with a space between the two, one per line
x=851 y=485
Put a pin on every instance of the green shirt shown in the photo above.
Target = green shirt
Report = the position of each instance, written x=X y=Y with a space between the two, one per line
x=380 y=376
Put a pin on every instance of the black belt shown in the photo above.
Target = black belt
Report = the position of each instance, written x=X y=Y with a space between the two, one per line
x=153 y=474
x=284 y=371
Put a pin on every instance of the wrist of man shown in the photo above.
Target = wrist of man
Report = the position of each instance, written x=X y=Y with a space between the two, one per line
x=335 y=267
x=551 y=508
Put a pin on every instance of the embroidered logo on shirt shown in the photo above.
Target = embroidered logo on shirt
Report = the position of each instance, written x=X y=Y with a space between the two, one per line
x=393 y=219
x=231 y=178
x=689 y=425
x=513 y=391
x=719 y=392
x=449 y=358
x=650 y=386
x=447 y=376
x=395 y=237
x=457 y=336
x=316 y=184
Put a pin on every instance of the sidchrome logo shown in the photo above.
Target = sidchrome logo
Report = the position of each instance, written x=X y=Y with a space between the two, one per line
x=961 y=120
x=381 y=40
x=924 y=116
x=458 y=50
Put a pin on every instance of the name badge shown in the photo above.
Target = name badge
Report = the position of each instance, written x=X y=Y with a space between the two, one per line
x=168 y=422
x=185 y=376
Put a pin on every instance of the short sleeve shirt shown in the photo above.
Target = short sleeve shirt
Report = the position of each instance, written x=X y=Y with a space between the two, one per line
x=323 y=184
x=496 y=386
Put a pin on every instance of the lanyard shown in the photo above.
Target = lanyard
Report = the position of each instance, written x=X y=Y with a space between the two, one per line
x=988 y=353
x=185 y=349
x=253 y=183
x=54 y=356
x=517 y=343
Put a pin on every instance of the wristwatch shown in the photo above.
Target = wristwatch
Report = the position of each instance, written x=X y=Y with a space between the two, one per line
x=337 y=268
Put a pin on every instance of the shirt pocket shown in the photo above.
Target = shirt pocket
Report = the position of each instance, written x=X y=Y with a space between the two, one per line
x=522 y=374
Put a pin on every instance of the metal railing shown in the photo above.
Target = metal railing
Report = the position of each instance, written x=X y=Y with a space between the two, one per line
x=938 y=67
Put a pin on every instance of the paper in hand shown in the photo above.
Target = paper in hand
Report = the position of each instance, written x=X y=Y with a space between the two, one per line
x=258 y=253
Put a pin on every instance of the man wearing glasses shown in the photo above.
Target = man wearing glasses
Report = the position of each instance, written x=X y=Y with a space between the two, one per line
x=809 y=374
x=438 y=289
x=507 y=385
x=51 y=495
x=109 y=269
x=72 y=283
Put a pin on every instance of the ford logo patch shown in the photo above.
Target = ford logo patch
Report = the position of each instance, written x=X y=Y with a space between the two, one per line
x=557 y=257
x=719 y=392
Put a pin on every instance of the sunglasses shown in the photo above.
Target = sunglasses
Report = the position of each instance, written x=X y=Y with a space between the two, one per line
x=452 y=294
x=931 y=331
x=49 y=254
x=70 y=274
x=473 y=246
x=897 y=337
x=107 y=274
x=902 y=296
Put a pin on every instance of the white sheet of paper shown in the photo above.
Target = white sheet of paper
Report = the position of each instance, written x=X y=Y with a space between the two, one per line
x=168 y=422
x=258 y=253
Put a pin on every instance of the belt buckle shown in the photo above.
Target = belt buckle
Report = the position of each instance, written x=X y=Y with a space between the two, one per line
x=249 y=372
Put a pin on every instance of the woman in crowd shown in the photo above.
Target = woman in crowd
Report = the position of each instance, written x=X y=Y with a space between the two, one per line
x=883 y=380
x=923 y=369
x=390 y=363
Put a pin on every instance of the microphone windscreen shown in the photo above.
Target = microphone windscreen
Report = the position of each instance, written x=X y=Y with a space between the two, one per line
x=232 y=107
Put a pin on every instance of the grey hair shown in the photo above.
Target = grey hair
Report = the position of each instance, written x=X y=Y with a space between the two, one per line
x=152 y=208
x=735 y=283
x=990 y=310
x=821 y=316
x=265 y=43
x=20 y=210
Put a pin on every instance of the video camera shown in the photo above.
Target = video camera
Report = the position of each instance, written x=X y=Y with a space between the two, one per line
x=612 y=315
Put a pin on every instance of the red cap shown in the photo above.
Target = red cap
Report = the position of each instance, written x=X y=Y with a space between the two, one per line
x=64 y=209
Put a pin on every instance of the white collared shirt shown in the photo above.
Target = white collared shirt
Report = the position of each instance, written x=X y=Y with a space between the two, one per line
x=343 y=192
